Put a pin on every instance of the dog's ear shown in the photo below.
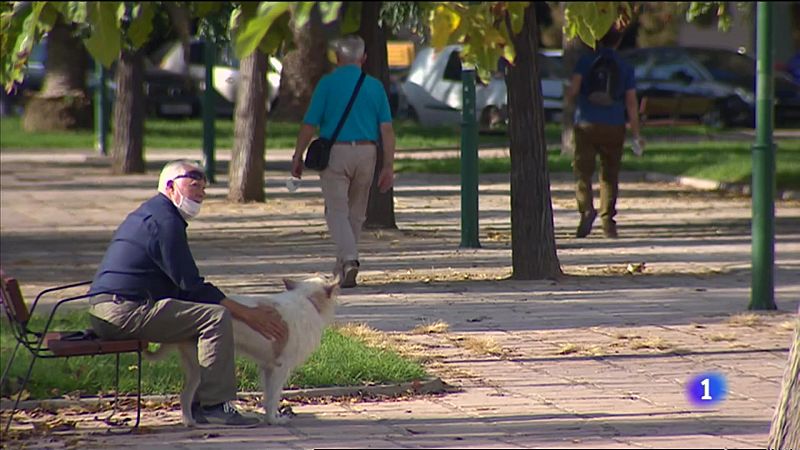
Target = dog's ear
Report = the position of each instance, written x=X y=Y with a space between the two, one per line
x=333 y=285
x=290 y=284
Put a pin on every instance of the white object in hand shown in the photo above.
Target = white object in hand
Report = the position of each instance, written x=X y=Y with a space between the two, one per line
x=636 y=146
x=292 y=184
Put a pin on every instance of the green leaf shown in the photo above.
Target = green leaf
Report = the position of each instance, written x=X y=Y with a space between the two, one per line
x=142 y=24
x=329 y=11
x=516 y=11
x=302 y=13
x=29 y=34
x=277 y=36
x=444 y=21
x=20 y=26
x=75 y=12
x=590 y=21
x=351 y=21
x=49 y=15
x=105 y=42
x=254 y=29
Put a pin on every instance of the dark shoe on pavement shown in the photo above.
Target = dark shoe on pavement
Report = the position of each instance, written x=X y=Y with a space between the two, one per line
x=224 y=414
x=349 y=273
x=610 y=230
x=196 y=413
x=585 y=226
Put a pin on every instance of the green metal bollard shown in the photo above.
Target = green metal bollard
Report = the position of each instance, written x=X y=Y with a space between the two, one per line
x=101 y=113
x=209 y=112
x=762 y=294
x=469 y=163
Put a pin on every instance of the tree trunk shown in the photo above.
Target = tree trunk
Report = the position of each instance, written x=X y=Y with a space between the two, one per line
x=63 y=103
x=380 y=209
x=533 y=245
x=302 y=69
x=572 y=51
x=785 y=431
x=127 y=155
x=246 y=173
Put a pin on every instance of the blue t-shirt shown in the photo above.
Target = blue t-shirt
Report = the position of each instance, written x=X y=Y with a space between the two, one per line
x=613 y=114
x=330 y=99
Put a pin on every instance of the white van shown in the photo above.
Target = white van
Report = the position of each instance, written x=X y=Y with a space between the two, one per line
x=226 y=72
x=433 y=90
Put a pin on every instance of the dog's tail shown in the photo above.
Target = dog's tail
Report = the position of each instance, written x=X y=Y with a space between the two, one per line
x=159 y=353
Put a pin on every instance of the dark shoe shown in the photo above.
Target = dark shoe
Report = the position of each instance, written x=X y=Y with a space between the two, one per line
x=585 y=226
x=196 y=413
x=224 y=414
x=349 y=273
x=610 y=230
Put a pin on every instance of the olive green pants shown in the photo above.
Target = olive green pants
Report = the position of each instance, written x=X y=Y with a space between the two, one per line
x=171 y=320
x=606 y=141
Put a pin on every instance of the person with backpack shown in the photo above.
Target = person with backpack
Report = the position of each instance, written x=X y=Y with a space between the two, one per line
x=605 y=88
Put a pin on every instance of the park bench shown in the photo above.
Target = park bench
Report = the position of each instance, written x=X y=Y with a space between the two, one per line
x=46 y=343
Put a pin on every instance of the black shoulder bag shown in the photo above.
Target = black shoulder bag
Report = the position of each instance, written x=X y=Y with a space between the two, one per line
x=319 y=151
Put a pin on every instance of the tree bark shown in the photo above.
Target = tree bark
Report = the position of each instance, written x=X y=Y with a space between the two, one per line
x=533 y=246
x=246 y=172
x=127 y=154
x=785 y=431
x=380 y=209
x=572 y=51
x=302 y=69
x=63 y=102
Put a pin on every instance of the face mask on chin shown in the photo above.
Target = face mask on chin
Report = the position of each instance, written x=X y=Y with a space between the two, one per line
x=188 y=208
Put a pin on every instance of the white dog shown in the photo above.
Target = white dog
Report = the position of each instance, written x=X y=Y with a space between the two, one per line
x=306 y=306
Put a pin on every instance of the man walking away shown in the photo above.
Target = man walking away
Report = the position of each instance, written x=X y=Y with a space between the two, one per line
x=347 y=179
x=606 y=90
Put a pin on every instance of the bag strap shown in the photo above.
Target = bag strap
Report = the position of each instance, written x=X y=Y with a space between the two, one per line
x=349 y=107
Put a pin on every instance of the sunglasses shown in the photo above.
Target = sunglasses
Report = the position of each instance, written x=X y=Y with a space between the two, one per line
x=194 y=175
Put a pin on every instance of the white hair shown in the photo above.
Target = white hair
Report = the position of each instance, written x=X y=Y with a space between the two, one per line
x=174 y=168
x=349 y=49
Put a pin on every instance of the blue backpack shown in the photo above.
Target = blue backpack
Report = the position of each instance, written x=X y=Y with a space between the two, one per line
x=603 y=80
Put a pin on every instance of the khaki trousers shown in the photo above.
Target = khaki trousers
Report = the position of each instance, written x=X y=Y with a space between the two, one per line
x=606 y=141
x=345 y=187
x=171 y=320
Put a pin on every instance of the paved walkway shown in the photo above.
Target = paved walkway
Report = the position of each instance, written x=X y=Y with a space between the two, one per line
x=599 y=358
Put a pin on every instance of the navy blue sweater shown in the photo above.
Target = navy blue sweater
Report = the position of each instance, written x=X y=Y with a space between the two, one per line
x=149 y=258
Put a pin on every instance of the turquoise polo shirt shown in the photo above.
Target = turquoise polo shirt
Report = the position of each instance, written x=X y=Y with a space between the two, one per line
x=330 y=99
x=613 y=114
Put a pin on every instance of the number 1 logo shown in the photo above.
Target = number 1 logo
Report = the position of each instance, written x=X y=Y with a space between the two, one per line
x=706 y=389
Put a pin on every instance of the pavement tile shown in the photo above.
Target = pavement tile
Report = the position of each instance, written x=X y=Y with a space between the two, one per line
x=604 y=393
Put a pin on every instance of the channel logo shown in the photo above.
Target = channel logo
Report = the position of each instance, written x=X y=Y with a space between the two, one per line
x=707 y=389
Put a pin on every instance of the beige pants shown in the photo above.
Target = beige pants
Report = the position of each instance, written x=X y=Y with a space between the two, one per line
x=171 y=320
x=345 y=187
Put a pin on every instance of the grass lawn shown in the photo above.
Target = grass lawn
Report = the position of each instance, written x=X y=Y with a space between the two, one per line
x=727 y=161
x=340 y=361
x=182 y=134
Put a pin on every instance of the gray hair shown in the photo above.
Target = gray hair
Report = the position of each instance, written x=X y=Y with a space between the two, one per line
x=174 y=168
x=349 y=49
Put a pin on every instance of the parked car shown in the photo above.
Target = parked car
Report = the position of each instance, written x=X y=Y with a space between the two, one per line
x=226 y=72
x=715 y=86
x=433 y=90
x=167 y=94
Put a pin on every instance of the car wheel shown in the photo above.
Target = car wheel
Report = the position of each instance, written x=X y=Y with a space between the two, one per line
x=491 y=119
x=714 y=117
x=412 y=114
